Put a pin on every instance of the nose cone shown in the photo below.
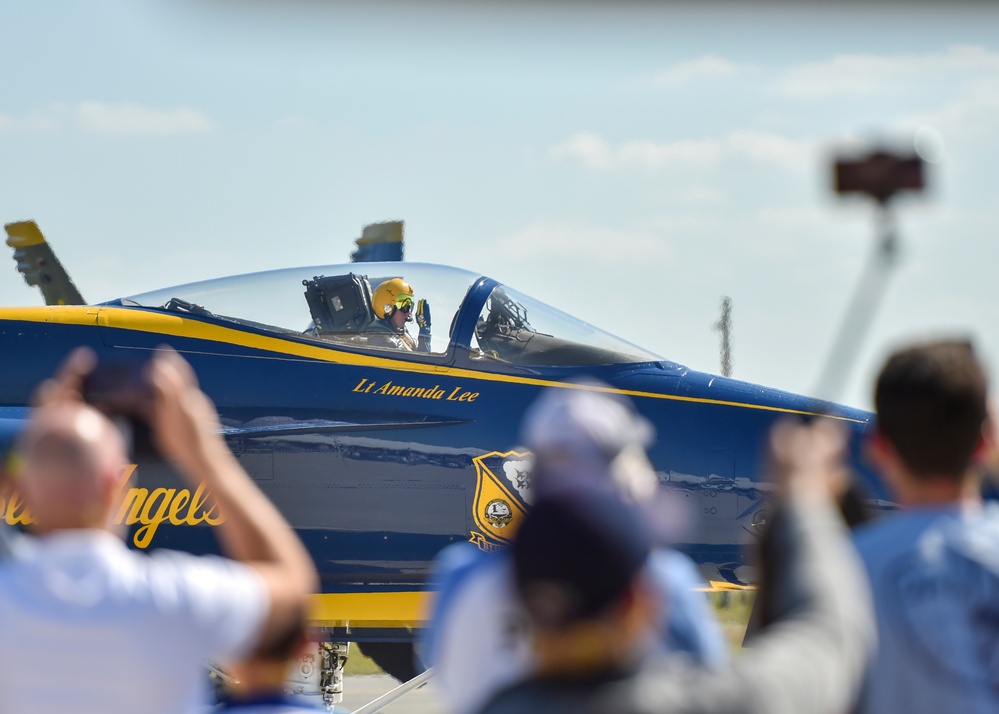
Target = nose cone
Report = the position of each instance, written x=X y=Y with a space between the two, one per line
x=778 y=403
x=755 y=395
x=710 y=426
x=672 y=381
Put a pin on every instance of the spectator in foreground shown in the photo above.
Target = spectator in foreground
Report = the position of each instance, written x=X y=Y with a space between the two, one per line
x=587 y=621
x=933 y=565
x=91 y=626
x=257 y=684
x=581 y=438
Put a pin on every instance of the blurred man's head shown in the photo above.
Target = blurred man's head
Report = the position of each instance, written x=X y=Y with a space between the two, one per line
x=578 y=559
x=271 y=666
x=588 y=435
x=73 y=457
x=931 y=407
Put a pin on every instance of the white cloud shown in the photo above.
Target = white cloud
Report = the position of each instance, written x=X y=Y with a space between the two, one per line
x=870 y=74
x=563 y=245
x=769 y=148
x=565 y=238
x=705 y=67
x=122 y=119
x=36 y=121
x=971 y=115
x=700 y=195
x=127 y=119
x=760 y=147
x=588 y=148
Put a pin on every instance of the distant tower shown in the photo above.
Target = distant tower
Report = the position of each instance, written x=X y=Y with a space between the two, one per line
x=724 y=326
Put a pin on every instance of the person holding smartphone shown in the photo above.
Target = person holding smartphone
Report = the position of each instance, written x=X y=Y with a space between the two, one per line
x=93 y=626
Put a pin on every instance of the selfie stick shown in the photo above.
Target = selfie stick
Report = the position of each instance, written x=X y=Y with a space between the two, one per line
x=880 y=175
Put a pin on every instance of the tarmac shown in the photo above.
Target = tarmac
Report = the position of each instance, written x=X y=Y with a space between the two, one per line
x=361 y=689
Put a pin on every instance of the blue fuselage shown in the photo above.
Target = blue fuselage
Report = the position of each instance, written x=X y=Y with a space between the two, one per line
x=380 y=460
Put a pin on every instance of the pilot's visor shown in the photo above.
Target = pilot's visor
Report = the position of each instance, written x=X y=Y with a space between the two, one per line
x=404 y=303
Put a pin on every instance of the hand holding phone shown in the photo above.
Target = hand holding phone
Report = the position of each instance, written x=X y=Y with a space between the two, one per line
x=122 y=391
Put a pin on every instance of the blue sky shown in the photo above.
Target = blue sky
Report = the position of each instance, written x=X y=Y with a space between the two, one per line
x=627 y=163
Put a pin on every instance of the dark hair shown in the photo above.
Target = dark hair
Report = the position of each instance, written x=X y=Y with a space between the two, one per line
x=285 y=639
x=931 y=404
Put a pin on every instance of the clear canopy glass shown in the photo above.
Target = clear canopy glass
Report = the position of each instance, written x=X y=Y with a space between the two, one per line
x=511 y=327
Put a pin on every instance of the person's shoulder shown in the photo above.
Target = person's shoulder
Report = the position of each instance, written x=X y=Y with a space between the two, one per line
x=380 y=325
x=954 y=542
x=180 y=579
x=385 y=336
x=866 y=535
x=886 y=539
x=471 y=585
x=460 y=559
x=91 y=550
x=677 y=569
x=462 y=571
x=976 y=536
x=897 y=529
x=178 y=563
x=985 y=519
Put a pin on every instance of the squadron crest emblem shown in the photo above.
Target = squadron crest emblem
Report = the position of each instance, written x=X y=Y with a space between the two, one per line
x=501 y=497
x=498 y=513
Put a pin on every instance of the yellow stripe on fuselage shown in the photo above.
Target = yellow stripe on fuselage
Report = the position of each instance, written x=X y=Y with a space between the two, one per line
x=359 y=610
x=177 y=326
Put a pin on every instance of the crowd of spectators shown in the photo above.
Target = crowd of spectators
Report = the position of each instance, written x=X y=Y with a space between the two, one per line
x=590 y=610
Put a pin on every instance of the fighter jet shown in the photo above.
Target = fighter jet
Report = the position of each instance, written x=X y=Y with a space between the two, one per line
x=380 y=455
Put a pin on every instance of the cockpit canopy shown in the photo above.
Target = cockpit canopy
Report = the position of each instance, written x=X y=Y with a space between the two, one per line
x=331 y=304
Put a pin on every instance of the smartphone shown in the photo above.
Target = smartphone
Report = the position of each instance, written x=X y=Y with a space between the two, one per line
x=121 y=390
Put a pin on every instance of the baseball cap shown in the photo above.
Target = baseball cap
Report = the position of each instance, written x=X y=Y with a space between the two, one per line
x=576 y=553
x=584 y=416
x=587 y=434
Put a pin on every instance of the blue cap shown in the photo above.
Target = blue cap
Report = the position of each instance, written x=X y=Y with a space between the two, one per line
x=576 y=553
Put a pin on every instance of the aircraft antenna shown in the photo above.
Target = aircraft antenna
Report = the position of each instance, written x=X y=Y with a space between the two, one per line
x=724 y=326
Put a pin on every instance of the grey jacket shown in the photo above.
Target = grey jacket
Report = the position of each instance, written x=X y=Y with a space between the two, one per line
x=811 y=658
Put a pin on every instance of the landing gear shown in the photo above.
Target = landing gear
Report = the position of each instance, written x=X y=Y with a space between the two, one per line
x=320 y=673
x=333 y=656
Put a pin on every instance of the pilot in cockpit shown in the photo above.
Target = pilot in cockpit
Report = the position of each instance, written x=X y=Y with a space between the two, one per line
x=392 y=302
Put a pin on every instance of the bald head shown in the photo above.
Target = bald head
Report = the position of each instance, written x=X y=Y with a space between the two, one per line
x=73 y=458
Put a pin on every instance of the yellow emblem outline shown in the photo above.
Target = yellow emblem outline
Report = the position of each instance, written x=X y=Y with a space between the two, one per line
x=488 y=487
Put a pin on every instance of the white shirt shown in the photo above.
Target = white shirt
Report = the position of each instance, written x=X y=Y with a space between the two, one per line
x=90 y=626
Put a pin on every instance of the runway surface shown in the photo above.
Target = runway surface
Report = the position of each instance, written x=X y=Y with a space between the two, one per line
x=358 y=690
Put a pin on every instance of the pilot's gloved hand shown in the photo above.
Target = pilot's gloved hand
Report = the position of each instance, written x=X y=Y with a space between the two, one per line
x=423 y=317
x=423 y=320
